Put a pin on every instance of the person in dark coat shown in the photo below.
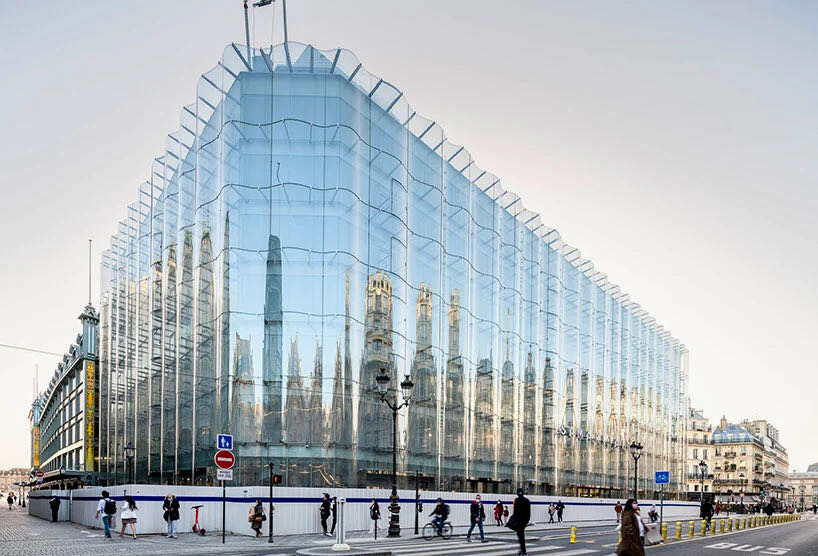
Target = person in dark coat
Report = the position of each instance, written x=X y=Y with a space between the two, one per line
x=334 y=511
x=631 y=543
x=170 y=505
x=324 y=512
x=706 y=512
x=520 y=517
x=54 y=504
x=560 y=509
x=477 y=515
x=257 y=517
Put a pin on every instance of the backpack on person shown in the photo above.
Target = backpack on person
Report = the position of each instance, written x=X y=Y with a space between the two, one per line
x=110 y=507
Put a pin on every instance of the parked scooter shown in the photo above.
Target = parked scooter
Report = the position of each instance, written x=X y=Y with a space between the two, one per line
x=196 y=528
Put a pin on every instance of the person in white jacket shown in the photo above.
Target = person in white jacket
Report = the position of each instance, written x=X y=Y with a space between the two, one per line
x=128 y=517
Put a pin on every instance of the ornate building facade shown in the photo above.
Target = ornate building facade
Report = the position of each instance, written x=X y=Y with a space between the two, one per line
x=303 y=203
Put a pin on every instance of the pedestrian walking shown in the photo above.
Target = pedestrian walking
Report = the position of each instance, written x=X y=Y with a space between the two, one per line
x=257 y=517
x=551 y=511
x=560 y=509
x=631 y=531
x=520 y=518
x=170 y=505
x=334 y=511
x=498 y=513
x=10 y=500
x=618 y=510
x=54 y=504
x=375 y=514
x=653 y=514
x=706 y=511
x=128 y=517
x=324 y=512
x=106 y=508
x=477 y=515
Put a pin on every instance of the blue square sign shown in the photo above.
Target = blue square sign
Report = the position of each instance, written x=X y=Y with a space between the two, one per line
x=225 y=442
x=662 y=477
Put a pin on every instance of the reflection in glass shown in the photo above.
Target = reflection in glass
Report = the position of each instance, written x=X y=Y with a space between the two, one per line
x=304 y=229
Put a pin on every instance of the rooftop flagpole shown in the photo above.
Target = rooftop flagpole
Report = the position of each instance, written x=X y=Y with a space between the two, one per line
x=89 y=271
x=247 y=32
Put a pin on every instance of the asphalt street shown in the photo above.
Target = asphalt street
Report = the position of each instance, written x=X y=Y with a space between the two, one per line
x=23 y=535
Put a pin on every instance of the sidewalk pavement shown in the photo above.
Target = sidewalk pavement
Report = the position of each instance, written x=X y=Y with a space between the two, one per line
x=22 y=534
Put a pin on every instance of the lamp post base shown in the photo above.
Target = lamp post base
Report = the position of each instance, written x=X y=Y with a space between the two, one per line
x=394 y=516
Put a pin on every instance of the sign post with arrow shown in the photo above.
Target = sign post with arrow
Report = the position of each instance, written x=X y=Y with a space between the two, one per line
x=225 y=460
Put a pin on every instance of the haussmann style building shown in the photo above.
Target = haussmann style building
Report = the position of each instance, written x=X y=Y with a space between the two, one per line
x=306 y=228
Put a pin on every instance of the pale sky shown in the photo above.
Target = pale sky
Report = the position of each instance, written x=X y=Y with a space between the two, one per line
x=673 y=143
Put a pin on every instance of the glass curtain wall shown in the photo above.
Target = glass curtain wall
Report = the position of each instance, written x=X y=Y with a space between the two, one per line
x=305 y=228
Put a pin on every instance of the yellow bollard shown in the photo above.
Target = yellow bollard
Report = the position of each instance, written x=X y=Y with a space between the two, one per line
x=730 y=524
x=691 y=529
x=573 y=538
x=704 y=528
x=721 y=526
x=678 y=530
x=664 y=532
x=743 y=523
x=620 y=536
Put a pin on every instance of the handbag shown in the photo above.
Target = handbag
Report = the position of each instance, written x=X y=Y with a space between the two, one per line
x=512 y=523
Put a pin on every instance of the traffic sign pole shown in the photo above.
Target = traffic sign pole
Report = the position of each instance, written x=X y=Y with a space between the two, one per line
x=661 y=506
x=224 y=504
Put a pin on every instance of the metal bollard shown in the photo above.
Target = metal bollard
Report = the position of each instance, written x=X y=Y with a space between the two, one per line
x=678 y=530
x=573 y=537
x=691 y=529
x=340 y=540
x=730 y=524
x=704 y=528
x=664 y=532
x=721 y=526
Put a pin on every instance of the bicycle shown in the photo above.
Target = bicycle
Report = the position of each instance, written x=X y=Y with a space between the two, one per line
x=430 y=531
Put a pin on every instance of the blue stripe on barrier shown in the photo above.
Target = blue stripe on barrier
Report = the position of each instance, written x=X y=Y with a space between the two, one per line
x=317 y=500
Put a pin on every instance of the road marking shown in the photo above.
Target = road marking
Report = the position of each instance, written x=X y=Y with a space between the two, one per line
x=494 y=550
x=748 y=548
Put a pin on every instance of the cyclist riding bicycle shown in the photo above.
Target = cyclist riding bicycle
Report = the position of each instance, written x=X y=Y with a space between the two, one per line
x=440 y=513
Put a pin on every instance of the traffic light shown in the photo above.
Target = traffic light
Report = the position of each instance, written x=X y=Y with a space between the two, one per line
x=276 y=479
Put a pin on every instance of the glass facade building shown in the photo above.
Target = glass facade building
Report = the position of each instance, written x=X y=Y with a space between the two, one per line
x=303 y=229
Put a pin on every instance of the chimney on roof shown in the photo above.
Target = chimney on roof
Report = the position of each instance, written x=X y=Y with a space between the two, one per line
x=723 y=423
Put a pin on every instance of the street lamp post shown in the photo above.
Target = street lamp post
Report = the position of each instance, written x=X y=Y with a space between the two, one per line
x=383 y=391
x=636 y=453
x=129 y=453
x=702 y=471
x=802 y=488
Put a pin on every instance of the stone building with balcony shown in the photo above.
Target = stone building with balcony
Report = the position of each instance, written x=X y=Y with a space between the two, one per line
x=699 y=478
x=803 y=487
x=749 y=462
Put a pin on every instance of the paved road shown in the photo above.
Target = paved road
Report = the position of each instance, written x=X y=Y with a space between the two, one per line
x=795 y=539
x=23 y=535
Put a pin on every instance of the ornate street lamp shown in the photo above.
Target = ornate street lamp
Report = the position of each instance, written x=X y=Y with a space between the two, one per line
x=636 y=453
x=702 y=471
x=383 y=391
x=129 y=453
x=802 y=488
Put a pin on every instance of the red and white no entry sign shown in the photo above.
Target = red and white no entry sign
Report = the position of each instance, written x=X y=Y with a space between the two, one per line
x=224 y=459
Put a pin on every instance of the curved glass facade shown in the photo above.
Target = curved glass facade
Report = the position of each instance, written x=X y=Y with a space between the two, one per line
x=304 y=228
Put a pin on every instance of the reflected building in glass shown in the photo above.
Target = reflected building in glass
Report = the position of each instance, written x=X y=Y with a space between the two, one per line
x=305 y=228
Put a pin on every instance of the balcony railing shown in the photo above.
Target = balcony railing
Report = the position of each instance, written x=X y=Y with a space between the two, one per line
x=698 y=477
x=729 y=454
